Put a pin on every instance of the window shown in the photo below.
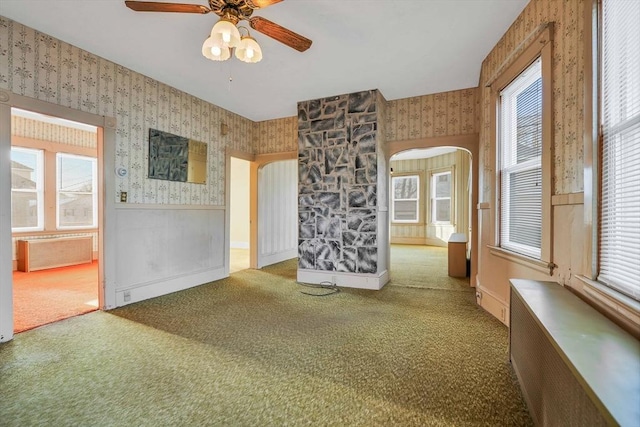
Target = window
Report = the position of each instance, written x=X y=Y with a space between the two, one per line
x=406 y=198
x=619 y=233
x=441 y=198
x=520 y=145
x=76 y=191
x=27 y=194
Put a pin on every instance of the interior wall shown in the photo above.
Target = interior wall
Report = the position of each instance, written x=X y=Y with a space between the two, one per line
x=277 y=212
x=275 y=136
x=239 y=203
x=427 y=116
x=46 y=69
x=425 y=232
x=339 y=176
x=568 y=129
x=160 y=249
x=431 y=116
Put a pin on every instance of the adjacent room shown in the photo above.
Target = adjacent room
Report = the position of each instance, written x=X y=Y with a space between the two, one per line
x=54 y=218
x=310 y=212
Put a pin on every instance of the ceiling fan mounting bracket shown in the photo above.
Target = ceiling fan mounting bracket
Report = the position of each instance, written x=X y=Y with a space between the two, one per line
x=234 y=10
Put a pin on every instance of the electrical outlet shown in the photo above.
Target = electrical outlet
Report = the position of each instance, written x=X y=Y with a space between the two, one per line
x=123 y=196
x=127 y=296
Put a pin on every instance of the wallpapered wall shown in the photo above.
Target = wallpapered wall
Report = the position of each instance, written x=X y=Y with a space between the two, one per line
x=275 y=136
x=36 y=129
x=36 y=65
x=443 y=114
x=42 y=67
x=568 y=75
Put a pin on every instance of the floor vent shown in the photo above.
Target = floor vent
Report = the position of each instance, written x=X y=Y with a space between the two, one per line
x=39 y=254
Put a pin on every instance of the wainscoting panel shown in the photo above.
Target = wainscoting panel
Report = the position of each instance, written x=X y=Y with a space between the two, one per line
x=165 y=248
x=277 y=212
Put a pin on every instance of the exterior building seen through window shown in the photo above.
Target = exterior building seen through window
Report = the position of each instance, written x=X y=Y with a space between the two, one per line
x=406 y=198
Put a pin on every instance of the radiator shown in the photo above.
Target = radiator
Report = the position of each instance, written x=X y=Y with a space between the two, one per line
x=575 y=367
x=39 y=254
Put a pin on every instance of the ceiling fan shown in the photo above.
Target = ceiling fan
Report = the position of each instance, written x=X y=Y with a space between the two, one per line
x=219 y=45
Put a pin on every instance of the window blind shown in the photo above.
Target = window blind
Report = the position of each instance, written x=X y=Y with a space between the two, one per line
x=521 y=163
x=619 y=265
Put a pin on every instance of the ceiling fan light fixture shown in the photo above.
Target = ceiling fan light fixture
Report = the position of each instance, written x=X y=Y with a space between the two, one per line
x=213 y=50
x=226 y=32
x=249 y=50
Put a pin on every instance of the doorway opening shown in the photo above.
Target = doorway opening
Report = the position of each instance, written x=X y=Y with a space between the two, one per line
x=240 y=225
x=55 y=225
x=430 y=206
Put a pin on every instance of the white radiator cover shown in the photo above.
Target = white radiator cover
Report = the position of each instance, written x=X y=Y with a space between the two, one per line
x=575 y=366
x=39 y=254
x=552 y=391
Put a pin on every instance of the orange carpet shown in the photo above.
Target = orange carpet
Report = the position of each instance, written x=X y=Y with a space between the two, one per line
x=45 y=296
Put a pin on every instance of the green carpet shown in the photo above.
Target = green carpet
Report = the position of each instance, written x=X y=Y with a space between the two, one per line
x=423 y=267
x=251 y=350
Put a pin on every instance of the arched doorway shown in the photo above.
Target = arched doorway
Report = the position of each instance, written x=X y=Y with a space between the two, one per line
x=468 y=143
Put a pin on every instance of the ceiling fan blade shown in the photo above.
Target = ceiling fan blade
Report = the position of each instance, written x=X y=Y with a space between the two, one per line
x=154 y=6
x=261 y=4
x=277 y=32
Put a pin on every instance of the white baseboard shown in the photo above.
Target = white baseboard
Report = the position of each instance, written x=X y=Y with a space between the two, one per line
x=239 y=245
x=408 y=240
x=496 y=306
x=345 y=280
x=145 y=291
x=436 y=242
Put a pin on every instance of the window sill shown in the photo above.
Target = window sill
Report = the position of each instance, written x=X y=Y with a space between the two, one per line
x=53 y=232
x=612 y=299
x=524 y=260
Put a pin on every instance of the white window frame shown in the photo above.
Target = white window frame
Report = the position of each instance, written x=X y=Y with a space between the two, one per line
x=508 y=152
x=94 y=193
x=417 y=199
x=434 y=199
x=540 y=46
x=39 y=190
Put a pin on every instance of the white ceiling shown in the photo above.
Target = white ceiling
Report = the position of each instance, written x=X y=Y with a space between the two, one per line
x=422 y=153
x=404 y=48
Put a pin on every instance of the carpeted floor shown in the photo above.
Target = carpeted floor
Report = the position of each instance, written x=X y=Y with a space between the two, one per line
x=45 y=296
x=423 y=267
x=252 y=350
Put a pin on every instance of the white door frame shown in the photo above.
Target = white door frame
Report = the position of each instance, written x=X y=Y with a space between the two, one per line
x=106 y=202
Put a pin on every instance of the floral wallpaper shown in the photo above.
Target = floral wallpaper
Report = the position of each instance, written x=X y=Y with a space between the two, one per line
x=442 y=114
x=568 y=91
x=275 y=136
x=37 y=129
x=36 y=65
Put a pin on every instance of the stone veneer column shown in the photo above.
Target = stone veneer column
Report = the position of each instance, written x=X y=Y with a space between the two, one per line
x=339 y=231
